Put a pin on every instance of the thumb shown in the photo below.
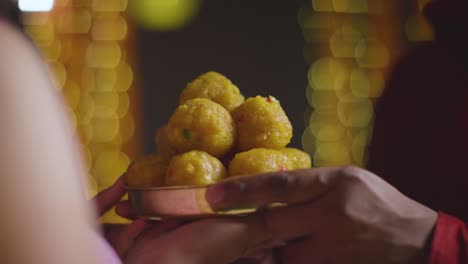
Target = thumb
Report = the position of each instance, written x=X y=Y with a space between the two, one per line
x=110 y=196
x=291 y=187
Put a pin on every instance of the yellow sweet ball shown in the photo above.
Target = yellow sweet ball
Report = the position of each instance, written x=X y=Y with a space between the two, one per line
x=149 y=171
x=213 y=86
x=201 y=124
x=164 y=148
x=259 y=160
x=261 y=123
x=194 y=168
x=299 y=158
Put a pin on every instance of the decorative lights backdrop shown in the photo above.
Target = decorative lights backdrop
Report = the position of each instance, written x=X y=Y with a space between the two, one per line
x=87 y=44
x=350 y=46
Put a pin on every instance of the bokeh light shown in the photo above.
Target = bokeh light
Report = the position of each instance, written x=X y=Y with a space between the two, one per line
x=109 y=27
x=35 y=5
x=371 y=53
x=351 y=6
x=328 y=74
x=75 y=21
x=345 y=46
x=164 y=15
x=114 y=6
x=366 y=84
x=103 y=54
x=86 y=44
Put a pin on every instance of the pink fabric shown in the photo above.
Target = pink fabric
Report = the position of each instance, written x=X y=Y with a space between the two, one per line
x=106 y=252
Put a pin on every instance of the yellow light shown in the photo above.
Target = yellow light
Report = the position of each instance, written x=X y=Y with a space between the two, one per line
x=104 y=80
x=124 y=77
x=59 y=71
x=88 y=79
x=109 y=6
x=76 y=21
x=72 y=92
x=43 y=35
x=103 y=54
x=355 y=113
x=105 y=129
x=322 y=5
x=109 y=27
x=328 y=74
x=323 y=99
x=366 y=83
x=105 y=104
x=351 y=6
x=109 y=166
x=332 y=154
x=319 y=118
x=325 y=126
x=330 y=132
x=52 y=51
x=36 y=18
x=319 y=21
x=372 y=53
x=74 y=49
x=124 y=105
x=164 y=15
x=86 y=108
x=61 y=3
x=86 y=133
x=343 y=42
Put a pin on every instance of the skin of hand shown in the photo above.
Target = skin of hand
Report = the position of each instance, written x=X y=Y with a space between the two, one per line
x=334 y=215
x=213 y=240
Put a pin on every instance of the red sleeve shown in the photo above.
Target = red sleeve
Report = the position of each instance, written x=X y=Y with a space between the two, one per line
x=450 y=241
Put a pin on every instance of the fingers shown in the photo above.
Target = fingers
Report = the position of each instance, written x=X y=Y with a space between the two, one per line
x=287 y=187
x=215 y=240
x=144 y=228
x=129 y=234
x=124 y=209
x=296 y=221
x=264 y=256
x=110 y=196
x=309 y=251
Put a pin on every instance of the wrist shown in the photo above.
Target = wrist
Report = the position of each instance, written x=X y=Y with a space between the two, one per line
x=418 y=231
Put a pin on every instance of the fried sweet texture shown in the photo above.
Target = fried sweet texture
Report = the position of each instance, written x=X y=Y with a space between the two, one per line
x=299 y=158
x=201 y=124
x=261 y=123
x=194 y=168
x=259 y=160
x=149 y=171
x=213 y=86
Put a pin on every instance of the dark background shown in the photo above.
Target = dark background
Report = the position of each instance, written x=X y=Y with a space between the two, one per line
x=257 y=44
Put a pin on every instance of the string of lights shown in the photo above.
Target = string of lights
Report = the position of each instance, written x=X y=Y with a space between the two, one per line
x=87 y=46
x=348 y=50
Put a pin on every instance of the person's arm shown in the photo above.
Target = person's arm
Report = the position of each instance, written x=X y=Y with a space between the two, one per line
x=450 y=241
x=44 y=214
x=334 y=215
